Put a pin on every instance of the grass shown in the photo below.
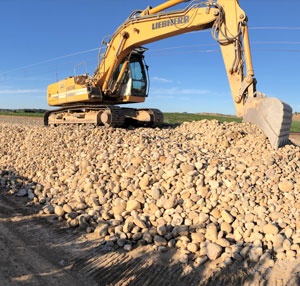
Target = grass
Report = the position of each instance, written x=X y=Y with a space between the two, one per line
x=171 y=118
x=27 y=114
x=295 y=126
x=174 y=118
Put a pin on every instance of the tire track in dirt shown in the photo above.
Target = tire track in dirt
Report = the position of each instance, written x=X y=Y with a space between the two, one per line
x=26 y=262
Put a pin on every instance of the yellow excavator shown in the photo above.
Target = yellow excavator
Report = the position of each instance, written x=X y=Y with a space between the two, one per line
x=121 y=75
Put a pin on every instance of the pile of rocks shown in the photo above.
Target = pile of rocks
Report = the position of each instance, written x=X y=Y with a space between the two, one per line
x=214 y=190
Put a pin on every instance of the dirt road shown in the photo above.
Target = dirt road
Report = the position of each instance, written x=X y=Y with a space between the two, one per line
x=30 y=250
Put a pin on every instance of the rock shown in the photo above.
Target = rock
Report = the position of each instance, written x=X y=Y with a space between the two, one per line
x=286 y=245
x=223 y=242
x=280 y=256
x=147 y=237
x=183 y=230
x=213 y=184
x=270 y=229
x=291 y=254
x=255 y=253
x=245 y=251
x=266 y=260
x=255 y=236
x=200 y=260
x=119 y=207
x=169 y=203
x=159 y=241
x=186 y=168
x=225 y=226
x=161 y=230
x=133 y=205
x=277 y=241
x=140 y=223
x=213 y=251
x=71 y=215
x=286 y=186
x=137 y=236
x=59 y=211
x=127 y=247
x=81 y=206
x=171 y=173
x=192 y=247
x=211 y=232
x=83 y=224
x=30 y=196
x=203 y=217
x=197 y=237
x=22 y=193
x=144 y=183
x=216 y=213
x=155 y=193
x=193 y=184
x=177 y=220
x=227 y=216
x=49 y=209
x=183 y=258
x=73 y=222
x=121 y=242
x=101 y=230
x=67 y=208
x=162 y=249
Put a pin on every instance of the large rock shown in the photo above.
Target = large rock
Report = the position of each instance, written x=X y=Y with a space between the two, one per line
x=227 y=216
x=213 y=251
x=101 y=230
x=59 y=211
x=286 y=186
x=270 y=229
x=133 y=205
x=211 y=232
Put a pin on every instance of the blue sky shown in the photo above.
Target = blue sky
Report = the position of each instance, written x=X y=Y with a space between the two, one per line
x=187 y=72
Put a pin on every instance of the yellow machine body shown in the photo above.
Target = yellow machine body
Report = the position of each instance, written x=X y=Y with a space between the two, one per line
x=67 y=91
x=121 y=74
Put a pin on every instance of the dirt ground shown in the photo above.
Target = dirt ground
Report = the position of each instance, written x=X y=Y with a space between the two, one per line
x=296 y=117
x=39 y=250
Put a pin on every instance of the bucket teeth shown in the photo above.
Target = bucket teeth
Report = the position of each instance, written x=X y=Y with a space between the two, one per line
x=273 y=116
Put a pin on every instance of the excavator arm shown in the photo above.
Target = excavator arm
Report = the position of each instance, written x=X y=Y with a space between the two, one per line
x=228 y=23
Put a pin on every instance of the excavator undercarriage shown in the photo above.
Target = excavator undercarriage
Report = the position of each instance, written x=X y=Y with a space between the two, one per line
x=107 y=115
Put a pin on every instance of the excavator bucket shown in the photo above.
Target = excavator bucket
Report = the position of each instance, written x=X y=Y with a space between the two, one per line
x=273 y=116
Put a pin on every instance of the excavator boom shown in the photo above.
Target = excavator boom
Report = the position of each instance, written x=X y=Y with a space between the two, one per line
x=121 y=76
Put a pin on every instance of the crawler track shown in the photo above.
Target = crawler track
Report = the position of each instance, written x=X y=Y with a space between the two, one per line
x=108 y=115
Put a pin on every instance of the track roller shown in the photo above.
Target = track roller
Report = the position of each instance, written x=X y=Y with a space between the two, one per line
x=113 y=116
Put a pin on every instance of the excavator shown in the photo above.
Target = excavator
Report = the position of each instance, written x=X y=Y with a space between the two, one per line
x=121 y=76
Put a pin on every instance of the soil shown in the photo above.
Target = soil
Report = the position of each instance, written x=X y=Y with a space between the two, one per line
x=296 y=117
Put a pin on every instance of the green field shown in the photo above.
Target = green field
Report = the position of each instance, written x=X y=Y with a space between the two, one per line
x=174 y=118
x=27 y=114
x=295 y=126
x=171 y=118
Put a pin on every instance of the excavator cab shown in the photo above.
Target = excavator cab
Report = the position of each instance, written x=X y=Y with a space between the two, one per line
x=134 y=80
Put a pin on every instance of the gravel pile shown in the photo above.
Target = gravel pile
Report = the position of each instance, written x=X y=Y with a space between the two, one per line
x=216 y=191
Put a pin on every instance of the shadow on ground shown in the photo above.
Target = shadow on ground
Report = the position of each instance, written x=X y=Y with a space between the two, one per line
x=37 y=250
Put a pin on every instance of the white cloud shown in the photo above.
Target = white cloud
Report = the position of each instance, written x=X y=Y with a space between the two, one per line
x=161 y=79
x=179 y=91
x=20 y=91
